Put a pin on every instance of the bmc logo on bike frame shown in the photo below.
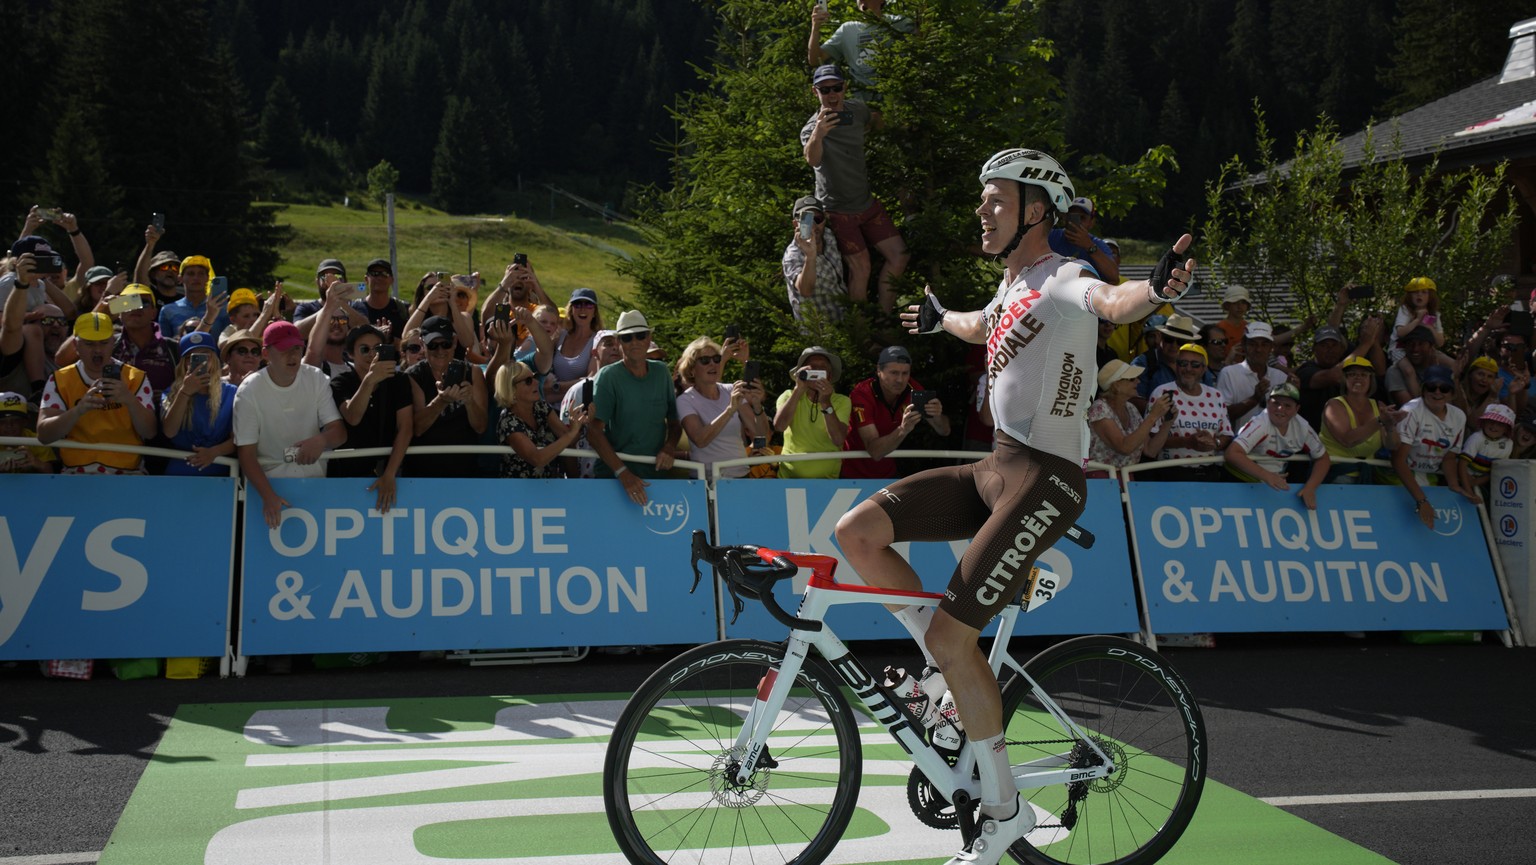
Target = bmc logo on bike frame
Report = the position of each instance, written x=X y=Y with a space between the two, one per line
x=863 y=684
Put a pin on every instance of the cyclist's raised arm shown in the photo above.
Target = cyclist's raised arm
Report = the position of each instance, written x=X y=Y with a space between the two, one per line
x=930 y=316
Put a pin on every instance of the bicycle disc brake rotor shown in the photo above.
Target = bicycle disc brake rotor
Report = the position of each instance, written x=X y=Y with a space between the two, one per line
x=927 y=804
x=723 y=784
x=1116 y=753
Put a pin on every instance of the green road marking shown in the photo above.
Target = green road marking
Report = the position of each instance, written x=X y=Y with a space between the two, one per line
x=508 y=779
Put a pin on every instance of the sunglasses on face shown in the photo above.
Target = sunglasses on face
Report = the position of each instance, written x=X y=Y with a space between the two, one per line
x=51 y=321
x=830 y=88
x=441 y=346
x=171 y=268
x=527 y=379
x=631 y=337
x=708 y=358
x=582 y=303
x=1188 y=364
x=244 y=350
x=415 y=347
x=1437 y=388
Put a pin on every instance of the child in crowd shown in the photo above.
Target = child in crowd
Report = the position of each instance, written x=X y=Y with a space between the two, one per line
x=1491 y=442
x=1525 y=441
x=1258 y=451
x=1420 y=306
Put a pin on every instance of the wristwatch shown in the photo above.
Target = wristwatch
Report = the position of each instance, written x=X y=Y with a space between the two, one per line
x=827 y=410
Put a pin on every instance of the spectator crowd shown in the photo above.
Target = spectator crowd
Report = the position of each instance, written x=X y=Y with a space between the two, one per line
x=171 y=356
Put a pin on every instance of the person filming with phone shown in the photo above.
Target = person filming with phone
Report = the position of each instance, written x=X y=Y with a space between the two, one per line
x=812 y=416
x=887 y=407
x=97 y=399
x=833 y=144
x=813 y=268
x=199 y=409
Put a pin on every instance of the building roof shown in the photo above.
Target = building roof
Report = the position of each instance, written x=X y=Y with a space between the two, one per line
x=1492 y=120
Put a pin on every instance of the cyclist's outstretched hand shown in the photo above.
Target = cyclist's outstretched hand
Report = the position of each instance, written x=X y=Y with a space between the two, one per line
x=925 y=317
x=1170 y=279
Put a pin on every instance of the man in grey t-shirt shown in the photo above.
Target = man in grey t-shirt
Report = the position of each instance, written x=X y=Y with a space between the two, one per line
x=833 y=139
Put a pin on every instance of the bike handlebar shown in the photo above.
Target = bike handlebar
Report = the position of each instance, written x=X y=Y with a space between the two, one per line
x=748 y=571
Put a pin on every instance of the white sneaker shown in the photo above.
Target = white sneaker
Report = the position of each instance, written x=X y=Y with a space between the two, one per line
x=994 y=836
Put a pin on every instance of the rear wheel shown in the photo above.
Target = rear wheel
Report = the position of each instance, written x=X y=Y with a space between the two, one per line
x=1139 y=712
x=669 y=779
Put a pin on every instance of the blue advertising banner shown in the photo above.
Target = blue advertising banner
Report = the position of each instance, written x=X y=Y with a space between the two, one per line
x=1244 y=557
x=1097 y=594
x=472 y=564
x=115 y=567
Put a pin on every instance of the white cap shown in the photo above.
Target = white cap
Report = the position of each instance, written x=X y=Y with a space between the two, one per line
x=1082 y=203
x=1260 y=330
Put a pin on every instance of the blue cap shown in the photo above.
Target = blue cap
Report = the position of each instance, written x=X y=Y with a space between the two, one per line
x=828 y=72
x=1439 y=373
x=199 y=340
x=584 y=294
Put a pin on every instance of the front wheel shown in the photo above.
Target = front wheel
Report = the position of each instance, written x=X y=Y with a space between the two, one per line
x=1131 y=703
x=669 y=778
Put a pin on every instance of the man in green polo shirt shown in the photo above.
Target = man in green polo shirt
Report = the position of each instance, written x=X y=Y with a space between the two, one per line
x=634 y=411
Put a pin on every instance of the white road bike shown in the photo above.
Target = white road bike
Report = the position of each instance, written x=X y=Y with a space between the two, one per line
x=749 y=751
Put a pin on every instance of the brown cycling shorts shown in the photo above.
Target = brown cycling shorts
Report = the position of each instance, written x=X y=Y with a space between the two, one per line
x=1014 y=504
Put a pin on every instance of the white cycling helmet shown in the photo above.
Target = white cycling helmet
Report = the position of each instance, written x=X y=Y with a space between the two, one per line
x=1034 y=167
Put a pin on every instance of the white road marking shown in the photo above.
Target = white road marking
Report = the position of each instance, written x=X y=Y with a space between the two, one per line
x=52 y=859
x=1369 y=798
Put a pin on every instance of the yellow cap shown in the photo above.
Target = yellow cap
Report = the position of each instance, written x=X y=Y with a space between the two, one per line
x=136 y=288
x=1200 y=350
x=1420 y=283
x=1357 y=360
x=1487 y=363
x=242 y=297
x=94 y=327
x=198 y=261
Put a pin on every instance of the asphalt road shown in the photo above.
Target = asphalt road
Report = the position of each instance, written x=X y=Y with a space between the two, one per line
x=1287 y=717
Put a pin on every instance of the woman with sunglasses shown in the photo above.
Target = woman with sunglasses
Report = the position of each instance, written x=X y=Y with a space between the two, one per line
x=720 y=418
x=530 y=426
x=573 y=347
x=240 y=351
x=1214 y=339
x=199 y=409
x=1429 y=437
x=1357 y=427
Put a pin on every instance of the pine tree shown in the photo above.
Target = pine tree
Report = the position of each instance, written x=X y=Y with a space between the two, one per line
x=461 y=169
x=279 y=134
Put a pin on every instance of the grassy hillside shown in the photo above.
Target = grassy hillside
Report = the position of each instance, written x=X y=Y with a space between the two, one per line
x=566 y=253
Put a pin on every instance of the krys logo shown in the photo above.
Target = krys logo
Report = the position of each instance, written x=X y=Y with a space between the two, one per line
x=666 y=517
x=1448 y=521
x=20 y=577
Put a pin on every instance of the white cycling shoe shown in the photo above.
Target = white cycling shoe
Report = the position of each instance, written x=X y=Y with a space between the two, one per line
x=994 y=836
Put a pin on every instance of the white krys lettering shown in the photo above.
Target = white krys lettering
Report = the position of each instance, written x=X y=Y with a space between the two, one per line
x=334 y=531
x=19 y=582
x=311 y=536
x=440 y=578
x=542 y=531
x=353 y=595
x=819 y=537
x=132 y=576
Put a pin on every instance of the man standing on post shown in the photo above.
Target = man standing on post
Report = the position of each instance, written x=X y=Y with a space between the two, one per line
x=1040 y=334
x=813 y=268
x=833 y=139
x=634 y=411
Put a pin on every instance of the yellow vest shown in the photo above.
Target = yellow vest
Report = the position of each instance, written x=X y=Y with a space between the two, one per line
x=1363 y=450
x=105 y=425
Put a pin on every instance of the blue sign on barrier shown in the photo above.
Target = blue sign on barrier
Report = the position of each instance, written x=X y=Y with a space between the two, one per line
x=1244 y=557
x=1097 y=594
x=115 y=567
x=472 y=564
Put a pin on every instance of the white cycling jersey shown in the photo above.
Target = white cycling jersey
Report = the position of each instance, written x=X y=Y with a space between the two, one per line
x=1042 y=333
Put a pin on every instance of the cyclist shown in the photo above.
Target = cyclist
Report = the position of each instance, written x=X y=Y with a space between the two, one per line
x=1040 y=332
